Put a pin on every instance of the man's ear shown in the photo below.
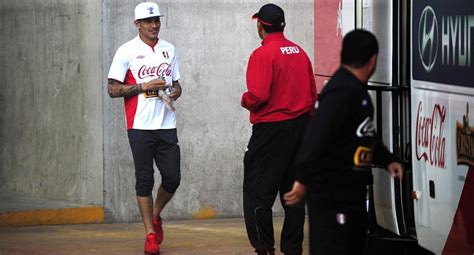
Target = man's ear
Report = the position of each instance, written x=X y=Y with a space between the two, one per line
x=137 y=23
x=373 y=61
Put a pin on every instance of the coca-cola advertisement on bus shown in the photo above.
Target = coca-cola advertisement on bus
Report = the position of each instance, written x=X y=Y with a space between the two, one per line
x=430 y=133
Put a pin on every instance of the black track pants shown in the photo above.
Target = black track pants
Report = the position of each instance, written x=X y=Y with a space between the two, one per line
x=267 y=171
x=337 y=223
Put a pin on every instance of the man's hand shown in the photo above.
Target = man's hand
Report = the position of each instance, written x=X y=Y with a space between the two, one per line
x=176 y=92
x=396 y=170
x=296 y=195
x=154 y=85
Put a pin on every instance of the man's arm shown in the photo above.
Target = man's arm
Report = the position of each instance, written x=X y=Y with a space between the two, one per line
x=296 y=195
x=326 y=123
x=176 y=92
x=119 y=89
x=396 y=170
x=259 y=80
x=382 y=156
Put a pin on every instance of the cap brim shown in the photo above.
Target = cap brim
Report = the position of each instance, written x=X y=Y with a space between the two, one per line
x=261 y=21
x=150 y=17
x=255 y=16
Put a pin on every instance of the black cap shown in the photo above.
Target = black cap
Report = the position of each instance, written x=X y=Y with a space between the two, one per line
x=271 y=15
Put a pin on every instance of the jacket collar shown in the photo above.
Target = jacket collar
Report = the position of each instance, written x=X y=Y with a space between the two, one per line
x=273 y=37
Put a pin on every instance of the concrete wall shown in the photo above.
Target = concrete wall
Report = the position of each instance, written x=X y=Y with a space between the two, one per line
x=51 y=99
x=214 y=40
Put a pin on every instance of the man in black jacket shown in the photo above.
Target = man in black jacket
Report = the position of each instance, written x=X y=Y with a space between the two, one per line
x=337 y=153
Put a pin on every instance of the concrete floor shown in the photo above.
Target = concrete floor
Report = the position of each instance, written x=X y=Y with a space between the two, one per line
x=222 y=236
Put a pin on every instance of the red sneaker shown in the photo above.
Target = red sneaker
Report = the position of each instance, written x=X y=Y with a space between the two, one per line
x=151 y=245
x=157 y=226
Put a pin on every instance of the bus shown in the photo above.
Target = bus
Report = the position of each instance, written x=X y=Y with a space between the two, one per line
x=423 y=92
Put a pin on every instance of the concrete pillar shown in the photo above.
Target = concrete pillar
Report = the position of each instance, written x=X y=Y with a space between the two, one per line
x=51 y=103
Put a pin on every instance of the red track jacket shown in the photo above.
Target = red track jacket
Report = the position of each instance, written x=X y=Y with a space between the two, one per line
x=280 y=81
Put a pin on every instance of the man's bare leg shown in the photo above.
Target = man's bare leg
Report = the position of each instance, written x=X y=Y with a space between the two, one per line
x=146 y=210
x=162 y=198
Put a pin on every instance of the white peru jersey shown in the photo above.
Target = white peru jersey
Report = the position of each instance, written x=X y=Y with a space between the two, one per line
x=136 y=62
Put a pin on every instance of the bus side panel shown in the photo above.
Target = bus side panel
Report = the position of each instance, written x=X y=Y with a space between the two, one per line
x=432 y=160
x=461 y=235
x=439 y=176
x=442 y=138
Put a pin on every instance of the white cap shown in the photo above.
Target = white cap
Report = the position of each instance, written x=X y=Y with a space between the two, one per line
x=147 y=10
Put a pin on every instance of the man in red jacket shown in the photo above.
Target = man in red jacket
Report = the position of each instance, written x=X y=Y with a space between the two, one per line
x=281 y=96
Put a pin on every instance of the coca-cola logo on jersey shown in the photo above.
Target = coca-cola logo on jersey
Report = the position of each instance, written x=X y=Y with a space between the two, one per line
x=164 y=69
x=430 y=139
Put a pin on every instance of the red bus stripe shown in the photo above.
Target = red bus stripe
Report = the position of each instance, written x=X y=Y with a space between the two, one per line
x=461 y=237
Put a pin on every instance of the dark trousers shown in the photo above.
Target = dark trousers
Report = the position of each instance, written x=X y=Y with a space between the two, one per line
x=162 y=147
x=337 y=222
x=267 y=171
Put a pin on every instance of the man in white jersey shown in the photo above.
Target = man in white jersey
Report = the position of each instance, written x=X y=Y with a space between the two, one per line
x=140 y=69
